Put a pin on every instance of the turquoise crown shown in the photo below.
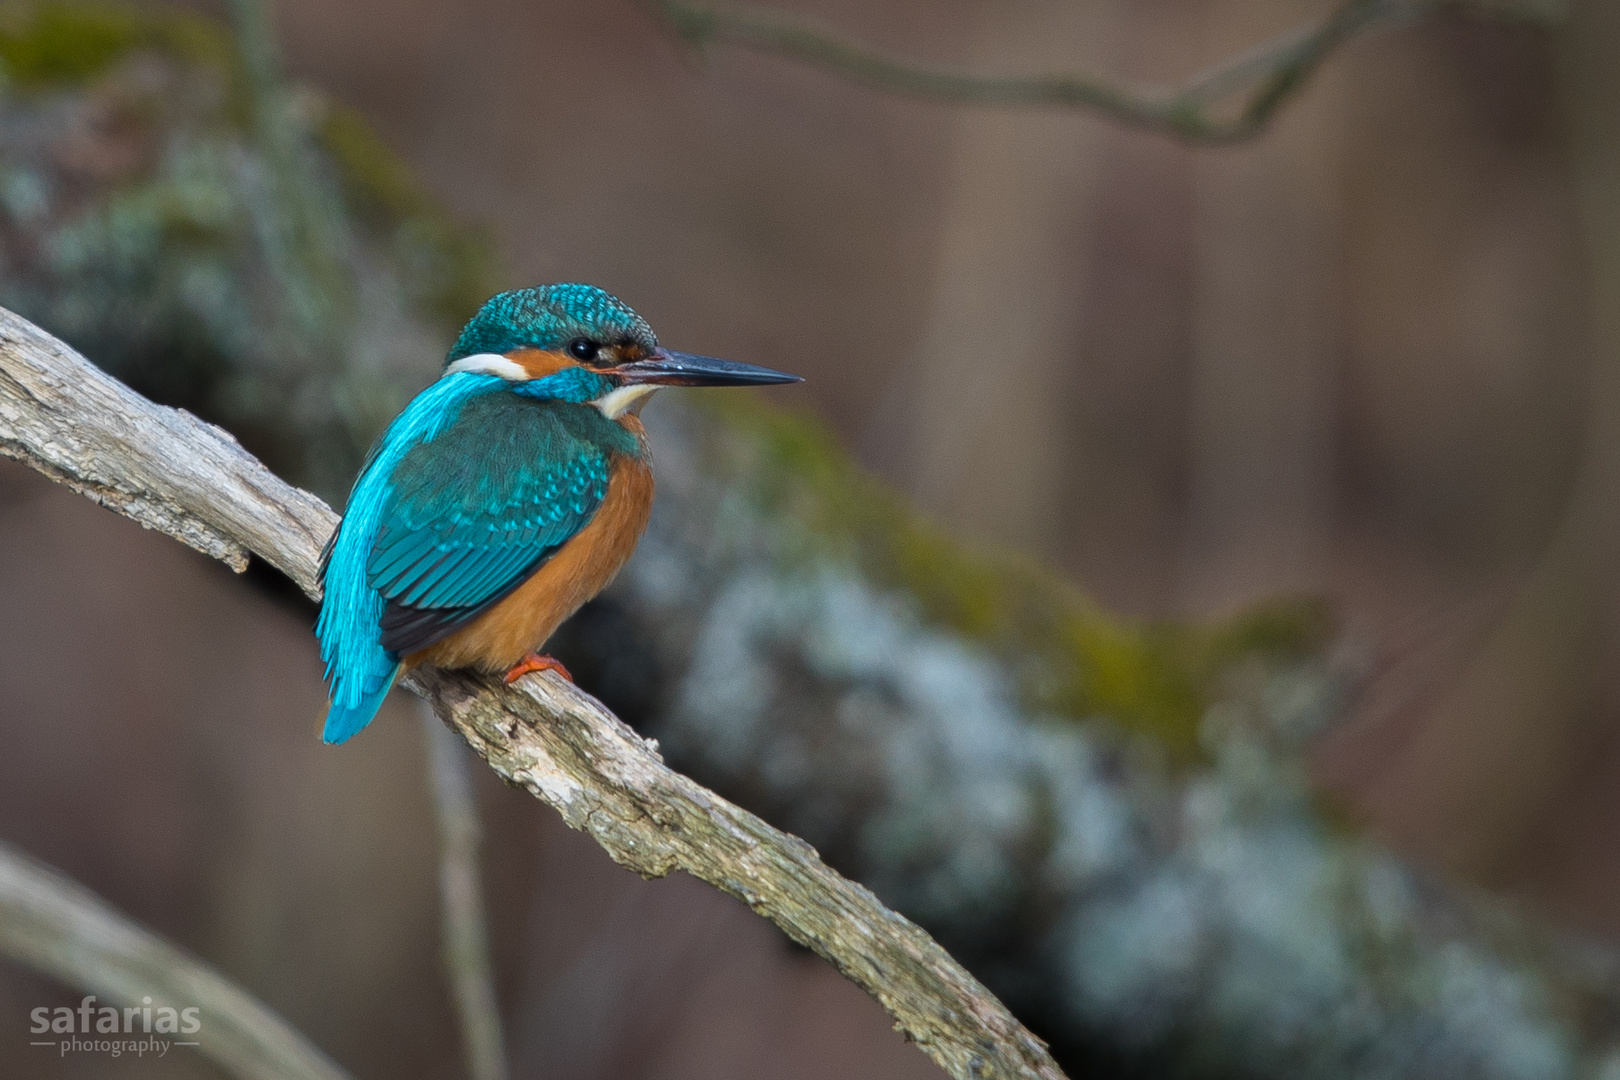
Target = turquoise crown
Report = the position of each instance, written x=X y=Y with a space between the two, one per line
x=549 y=317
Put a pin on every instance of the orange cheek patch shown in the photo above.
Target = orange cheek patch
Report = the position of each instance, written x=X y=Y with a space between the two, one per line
x=541 y=362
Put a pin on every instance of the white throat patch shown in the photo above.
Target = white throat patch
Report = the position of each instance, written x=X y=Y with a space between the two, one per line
x=490 y=364
x=615 y=403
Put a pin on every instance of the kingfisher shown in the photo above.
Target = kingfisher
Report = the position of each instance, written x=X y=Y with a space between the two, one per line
x=504 y=496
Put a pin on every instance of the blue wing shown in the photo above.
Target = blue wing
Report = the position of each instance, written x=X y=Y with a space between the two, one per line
x=467 y=493
x=477 y=510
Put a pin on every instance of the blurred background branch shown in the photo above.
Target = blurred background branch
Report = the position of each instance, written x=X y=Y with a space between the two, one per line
x=64 y=930
x=465 y=935
x=1253 y=86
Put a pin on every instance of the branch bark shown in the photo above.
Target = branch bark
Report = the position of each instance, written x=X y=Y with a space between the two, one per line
x=1262 y=79
x=59 y=927
x=162 y=467
x=172 y=472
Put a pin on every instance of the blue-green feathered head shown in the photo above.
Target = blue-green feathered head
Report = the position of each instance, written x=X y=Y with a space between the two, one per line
x=576 y=343
x=554 y=317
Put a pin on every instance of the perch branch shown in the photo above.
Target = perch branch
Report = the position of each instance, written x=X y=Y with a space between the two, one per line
x=171 y=472
x=461 y=902
x=64 y=930
x=164 y=468
x=1260 y=80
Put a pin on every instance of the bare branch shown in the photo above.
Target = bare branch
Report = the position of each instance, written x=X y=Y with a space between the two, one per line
x=171 y=472
x=461 y=902
x=1260 y=81
x=65 y=417
x=61 y=928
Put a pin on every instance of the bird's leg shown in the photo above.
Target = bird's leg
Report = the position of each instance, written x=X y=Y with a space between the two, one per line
x=535 y=662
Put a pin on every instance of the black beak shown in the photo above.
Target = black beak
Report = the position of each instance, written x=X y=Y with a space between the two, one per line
x=668 y=368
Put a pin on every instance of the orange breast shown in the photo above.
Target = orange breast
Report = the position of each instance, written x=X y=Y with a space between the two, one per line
x=580 y=569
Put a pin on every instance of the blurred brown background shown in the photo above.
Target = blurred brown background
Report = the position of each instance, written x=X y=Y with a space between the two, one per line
x=1367 y=355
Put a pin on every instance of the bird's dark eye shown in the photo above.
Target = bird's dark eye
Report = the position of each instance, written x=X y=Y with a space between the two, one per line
x=583 y=349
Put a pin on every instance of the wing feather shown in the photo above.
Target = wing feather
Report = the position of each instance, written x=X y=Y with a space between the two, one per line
x=479 y=509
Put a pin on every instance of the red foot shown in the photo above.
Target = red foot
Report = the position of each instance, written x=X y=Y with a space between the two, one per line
x=536 y=662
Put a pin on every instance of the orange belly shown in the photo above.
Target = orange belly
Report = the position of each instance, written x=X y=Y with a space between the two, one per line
x=580 y=569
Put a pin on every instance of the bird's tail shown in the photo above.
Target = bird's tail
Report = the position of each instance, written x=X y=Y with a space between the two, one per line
x=352 y=712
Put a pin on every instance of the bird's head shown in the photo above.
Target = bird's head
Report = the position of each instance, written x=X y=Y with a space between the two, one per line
x=578 y=343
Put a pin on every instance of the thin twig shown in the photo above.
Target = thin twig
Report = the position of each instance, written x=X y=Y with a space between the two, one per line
x=62 y=929
x=169 y=471
x=461 y=899
x=1261 y=79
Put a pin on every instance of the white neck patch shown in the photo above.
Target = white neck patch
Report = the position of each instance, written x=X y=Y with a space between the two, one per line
x=615 y=403
x=490 y=364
